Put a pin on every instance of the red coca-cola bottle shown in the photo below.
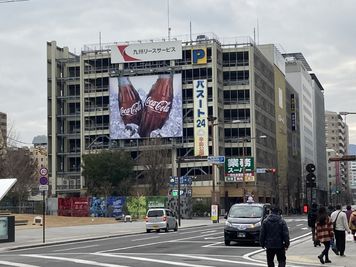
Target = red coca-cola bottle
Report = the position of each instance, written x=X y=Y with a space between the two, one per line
x=130 y=104
x=157 y=105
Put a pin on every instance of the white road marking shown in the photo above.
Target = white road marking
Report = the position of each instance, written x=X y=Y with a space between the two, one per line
x=305 y=228
x=154 y=243
x=86 y=262
x=91 y=246
x=299 y=224
x=217 y=260
x=208 y=232
x=150 y=260
x=8 y=263
x=213 y=237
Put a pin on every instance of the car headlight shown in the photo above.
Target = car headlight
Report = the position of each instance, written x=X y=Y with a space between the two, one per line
x=229 y=224
x=256 y=225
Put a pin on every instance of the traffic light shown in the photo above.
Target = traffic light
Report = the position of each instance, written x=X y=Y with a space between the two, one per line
x=305 y=208
x=273 y=170
x=311 y=178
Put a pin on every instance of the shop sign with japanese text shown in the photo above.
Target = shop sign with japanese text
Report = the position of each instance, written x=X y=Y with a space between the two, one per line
x=201 y=125
x=139 y=52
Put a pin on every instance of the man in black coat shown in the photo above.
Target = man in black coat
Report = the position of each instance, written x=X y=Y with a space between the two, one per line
x=274 y=236
x=312 y=216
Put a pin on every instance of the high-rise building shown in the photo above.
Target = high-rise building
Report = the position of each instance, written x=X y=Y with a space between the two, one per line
x=287 y=132
x=3 y=129
x=336 y=132
x=319 y=142
x=239 y=120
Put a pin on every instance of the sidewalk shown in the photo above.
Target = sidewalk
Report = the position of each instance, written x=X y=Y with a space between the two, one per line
x=302 y=252
x=31 y=237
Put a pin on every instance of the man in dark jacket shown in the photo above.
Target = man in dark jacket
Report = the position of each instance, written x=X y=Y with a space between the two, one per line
x=312 y=215
x=274 y=237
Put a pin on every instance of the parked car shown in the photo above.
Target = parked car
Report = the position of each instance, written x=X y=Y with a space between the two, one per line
x=161 y=219
x=243 y=222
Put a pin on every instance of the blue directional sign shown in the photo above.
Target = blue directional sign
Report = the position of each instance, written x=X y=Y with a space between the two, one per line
x=216 y=159
x=184 y=180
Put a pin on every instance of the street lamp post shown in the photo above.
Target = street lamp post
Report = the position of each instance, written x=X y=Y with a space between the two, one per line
x=243 y=141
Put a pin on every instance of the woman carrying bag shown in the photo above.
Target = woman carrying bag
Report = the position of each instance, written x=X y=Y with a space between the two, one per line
x=352 y=224
x=324 y=233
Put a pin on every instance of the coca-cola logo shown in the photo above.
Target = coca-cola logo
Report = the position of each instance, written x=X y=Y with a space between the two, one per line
x=161 y=106
x=136 y=107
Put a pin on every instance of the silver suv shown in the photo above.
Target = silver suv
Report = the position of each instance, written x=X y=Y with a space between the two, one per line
x=159 y=218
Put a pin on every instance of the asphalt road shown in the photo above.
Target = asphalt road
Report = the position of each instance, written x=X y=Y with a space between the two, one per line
x=190 y=247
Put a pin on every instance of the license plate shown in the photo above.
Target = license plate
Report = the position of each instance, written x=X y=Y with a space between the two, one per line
x=155 y=226
x=241 y=235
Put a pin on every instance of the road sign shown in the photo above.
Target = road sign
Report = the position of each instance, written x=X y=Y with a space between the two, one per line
x=216 y=159
x=260 y=170
x=43 y=171
x=43 y=187
x=43 y=180
x=184 y=180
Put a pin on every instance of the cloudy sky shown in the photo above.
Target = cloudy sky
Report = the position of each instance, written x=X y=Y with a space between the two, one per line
x=323 y=30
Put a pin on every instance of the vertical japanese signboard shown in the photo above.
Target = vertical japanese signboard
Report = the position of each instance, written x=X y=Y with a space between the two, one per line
x=201 y=130
x=234 y=170
x=293 y=112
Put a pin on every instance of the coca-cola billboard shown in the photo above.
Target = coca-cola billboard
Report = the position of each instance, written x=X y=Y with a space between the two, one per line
x=146 y=106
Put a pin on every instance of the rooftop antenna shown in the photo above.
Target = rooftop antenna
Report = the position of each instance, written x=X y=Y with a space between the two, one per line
x=169 y=28
x=258 y=32
x=100 y=40
x=190 y=31
x=254 y=34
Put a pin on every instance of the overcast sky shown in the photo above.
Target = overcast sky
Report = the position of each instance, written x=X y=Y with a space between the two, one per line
x=323 y=30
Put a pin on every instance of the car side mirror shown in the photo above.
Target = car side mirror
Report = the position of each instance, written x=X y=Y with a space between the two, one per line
x=225 y=216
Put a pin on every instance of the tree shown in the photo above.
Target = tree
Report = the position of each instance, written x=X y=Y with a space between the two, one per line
x=19 y=164
x=107 y=172
x=155 y=160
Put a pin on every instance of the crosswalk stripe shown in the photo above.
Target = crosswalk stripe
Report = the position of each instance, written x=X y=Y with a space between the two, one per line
x=86 y=262
x=16 y=264
x=150 y=260
x=217 y=260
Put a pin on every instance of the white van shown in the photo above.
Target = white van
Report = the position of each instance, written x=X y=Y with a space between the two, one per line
x=159 y=218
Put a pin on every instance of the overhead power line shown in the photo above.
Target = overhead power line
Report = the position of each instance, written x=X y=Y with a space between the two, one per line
x=9 y=1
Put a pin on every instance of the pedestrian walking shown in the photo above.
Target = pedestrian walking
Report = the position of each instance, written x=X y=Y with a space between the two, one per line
x=324 y=233
x=340 y=225
x=312 y=216
x=352 y=224
x=330 y=210
x=274 y=236
x=348 y=212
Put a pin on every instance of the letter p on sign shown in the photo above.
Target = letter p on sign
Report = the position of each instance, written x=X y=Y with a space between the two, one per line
x=199 y=56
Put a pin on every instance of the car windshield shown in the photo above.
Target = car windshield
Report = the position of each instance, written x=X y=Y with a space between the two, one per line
x=245 y=212
x=155 y=213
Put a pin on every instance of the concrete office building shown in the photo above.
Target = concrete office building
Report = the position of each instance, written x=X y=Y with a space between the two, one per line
x=332 y=173
x=297 y=74
x=320 y=142
x=336 y=132
x=240 y=93
x=287 y=132
x=352 y=175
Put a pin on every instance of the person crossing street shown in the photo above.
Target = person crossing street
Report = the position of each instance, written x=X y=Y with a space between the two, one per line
x=274 y=236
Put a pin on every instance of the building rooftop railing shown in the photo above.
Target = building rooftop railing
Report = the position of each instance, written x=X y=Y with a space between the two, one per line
x=187 y=39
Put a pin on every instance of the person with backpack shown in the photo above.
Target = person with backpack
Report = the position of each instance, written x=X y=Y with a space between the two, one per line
x=352 y=224
x=324 y=233
x=312 y=216
x=340 y=225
